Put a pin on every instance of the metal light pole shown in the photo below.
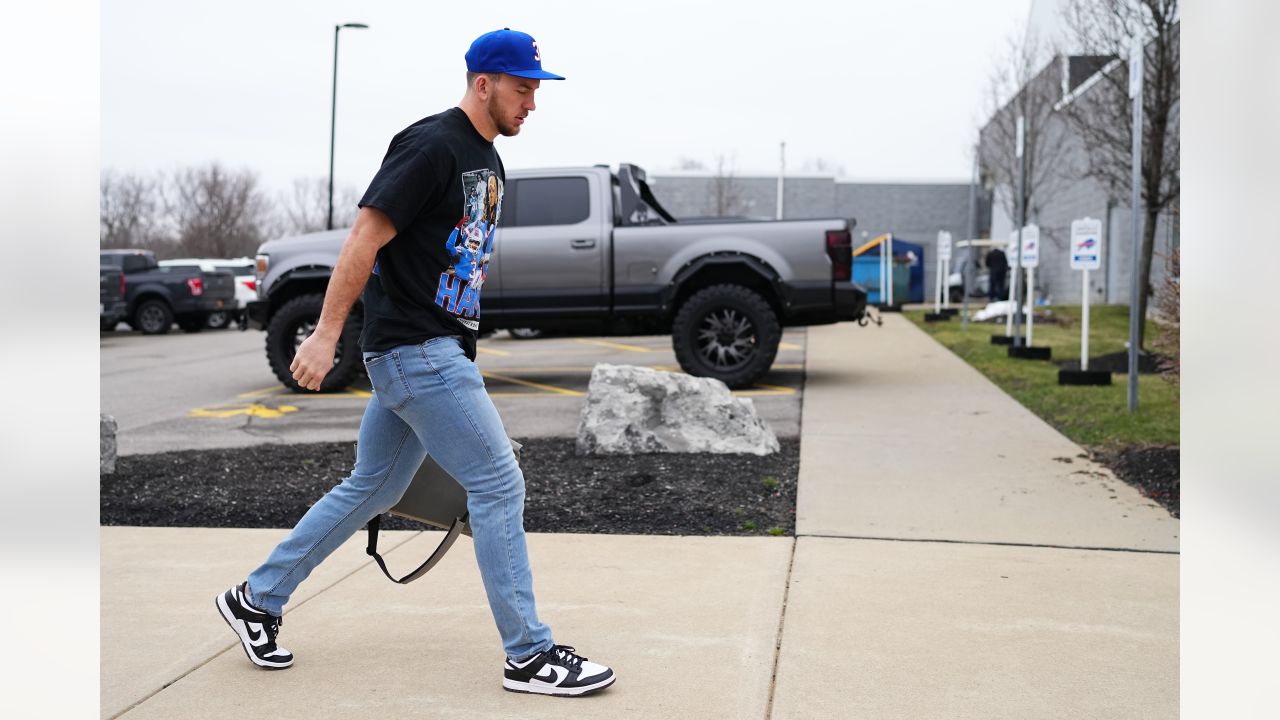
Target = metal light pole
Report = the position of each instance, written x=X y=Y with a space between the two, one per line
x=970 y=256
x=1135 y=202
x=1021 y=213
x=333 y=112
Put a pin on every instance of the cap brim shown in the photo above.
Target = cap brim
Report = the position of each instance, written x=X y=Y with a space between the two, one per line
x=535 y=74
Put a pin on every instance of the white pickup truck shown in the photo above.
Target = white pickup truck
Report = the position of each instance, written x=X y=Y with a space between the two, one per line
x=592 y=251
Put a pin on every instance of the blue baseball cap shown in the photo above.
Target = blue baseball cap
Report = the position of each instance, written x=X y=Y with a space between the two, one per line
x=507 y=51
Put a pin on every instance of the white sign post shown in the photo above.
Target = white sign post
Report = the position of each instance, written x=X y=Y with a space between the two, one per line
x=1086 y=255
x=1031 y=259
x=890 y=266
x=883 y=257
x=943 y=271
x=1012 y=253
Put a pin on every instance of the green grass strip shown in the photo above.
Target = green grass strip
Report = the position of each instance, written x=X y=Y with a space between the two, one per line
x=1090 y=416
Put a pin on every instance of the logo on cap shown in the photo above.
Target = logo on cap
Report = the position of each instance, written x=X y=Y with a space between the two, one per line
x=507 y=51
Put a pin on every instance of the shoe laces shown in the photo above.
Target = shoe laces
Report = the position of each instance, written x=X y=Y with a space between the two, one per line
x=272 y=625
x=567 y=655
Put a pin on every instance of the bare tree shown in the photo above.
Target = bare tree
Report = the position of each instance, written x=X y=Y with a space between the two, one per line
x=1103 y=118
x=823 y=166
x=305 y=208
x=130 y=212
x=688 y=163
x=1022 y=86
x=726 y=196
x=218 y=213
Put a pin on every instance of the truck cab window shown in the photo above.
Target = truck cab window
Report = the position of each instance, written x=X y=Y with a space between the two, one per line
x=548 y=201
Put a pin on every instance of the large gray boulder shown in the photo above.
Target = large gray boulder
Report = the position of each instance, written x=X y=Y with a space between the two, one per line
x=107 y=444
x=637 y=410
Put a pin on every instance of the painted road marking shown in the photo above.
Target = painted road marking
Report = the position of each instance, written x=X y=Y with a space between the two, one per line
x=615 y=346
x=491 y=351
x=281 y=391
x=537 y=386
x=767 y=390
x=789 y=346
x=252 y=410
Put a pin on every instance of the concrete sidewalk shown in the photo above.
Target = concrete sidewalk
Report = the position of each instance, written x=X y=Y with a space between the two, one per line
x=936 y=573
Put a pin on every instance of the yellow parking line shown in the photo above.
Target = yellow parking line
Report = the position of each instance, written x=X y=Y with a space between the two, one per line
x=544 y=369
x=526 y=395
x=789 y=346
x=491 y=351
x=538 y=386
x=768 y=390
x=253 y=410
x=616 y=346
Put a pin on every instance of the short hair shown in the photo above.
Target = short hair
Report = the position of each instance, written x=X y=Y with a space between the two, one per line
x=471 y=78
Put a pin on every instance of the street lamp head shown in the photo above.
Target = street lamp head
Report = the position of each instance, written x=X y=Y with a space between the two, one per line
x=360 y=26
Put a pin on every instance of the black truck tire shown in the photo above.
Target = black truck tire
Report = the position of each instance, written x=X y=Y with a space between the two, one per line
x=293 y=323
x=153 y=317
x=727 y=332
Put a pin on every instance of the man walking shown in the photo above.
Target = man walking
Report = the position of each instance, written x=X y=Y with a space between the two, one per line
x=421 y=317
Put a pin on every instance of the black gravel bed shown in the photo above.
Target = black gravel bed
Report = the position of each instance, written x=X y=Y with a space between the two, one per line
x=271 y=486
x=1152 y=469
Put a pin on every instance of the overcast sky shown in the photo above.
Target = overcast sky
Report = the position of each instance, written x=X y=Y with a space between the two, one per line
x=883 y=90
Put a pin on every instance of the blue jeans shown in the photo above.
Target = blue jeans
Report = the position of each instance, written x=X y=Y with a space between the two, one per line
x=427 y=399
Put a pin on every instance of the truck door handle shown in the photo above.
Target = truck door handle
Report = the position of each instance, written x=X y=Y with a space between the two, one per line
x=582 y=244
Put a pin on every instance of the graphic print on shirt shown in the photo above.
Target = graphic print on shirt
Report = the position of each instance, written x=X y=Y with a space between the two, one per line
x=470 y=246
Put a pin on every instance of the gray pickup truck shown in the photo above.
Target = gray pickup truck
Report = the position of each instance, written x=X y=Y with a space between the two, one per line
x=590 y=251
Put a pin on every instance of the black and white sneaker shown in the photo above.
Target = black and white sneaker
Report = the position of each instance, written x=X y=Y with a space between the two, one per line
x=558 y=671
x=256 y=628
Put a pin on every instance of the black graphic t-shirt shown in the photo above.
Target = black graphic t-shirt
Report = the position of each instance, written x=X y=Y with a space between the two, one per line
x=441 y=185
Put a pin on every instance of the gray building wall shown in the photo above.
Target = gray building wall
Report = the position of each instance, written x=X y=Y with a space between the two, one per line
x=914 y=212
x=1072 y=195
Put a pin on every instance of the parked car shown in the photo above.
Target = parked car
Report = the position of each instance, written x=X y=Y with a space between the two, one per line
x=589 y=251
x=245 y=282
x=157 y=296
x=111 y=303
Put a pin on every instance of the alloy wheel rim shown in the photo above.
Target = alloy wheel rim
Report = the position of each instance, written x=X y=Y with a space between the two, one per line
x=726 y=339
x=152 y=318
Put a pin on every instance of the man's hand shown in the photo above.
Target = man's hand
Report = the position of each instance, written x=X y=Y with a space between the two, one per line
x=313 y=361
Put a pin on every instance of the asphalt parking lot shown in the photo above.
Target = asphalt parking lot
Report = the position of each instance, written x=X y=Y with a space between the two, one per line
x=214 y=389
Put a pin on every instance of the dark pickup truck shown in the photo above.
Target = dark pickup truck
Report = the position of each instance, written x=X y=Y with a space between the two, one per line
x=111 y=303
x=157 y=296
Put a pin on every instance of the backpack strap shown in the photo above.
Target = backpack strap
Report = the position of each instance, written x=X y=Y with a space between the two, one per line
x=449 y=537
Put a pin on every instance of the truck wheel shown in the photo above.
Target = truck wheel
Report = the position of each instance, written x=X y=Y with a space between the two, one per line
x=192 y=323
x=293 y=323
x=153 y=317
x=218 y=320
x=727 y=332
x=525 y=333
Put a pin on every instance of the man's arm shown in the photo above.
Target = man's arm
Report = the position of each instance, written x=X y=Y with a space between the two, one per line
x=314 y=359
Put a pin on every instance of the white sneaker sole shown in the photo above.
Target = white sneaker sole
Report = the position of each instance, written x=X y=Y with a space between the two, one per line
x=524 y=687
x=238 y=628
